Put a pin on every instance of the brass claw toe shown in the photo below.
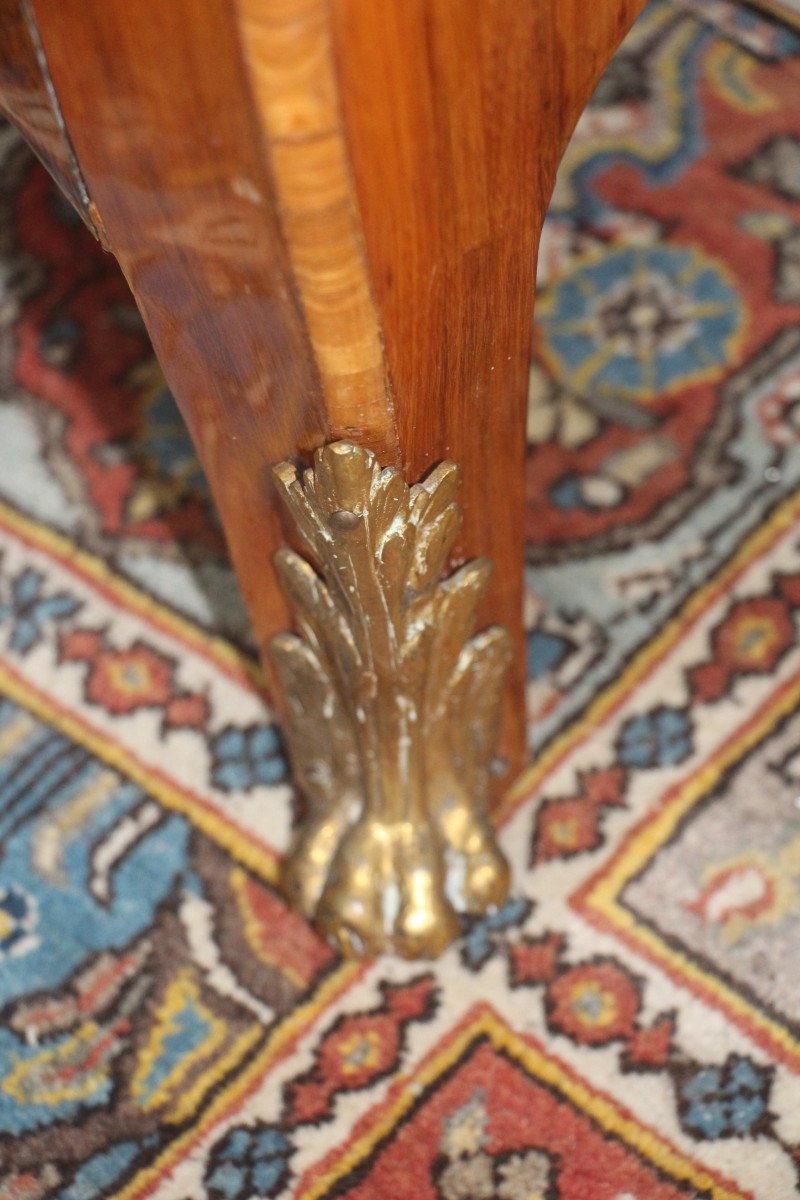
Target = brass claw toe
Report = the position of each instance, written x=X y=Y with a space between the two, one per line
x=393 y=707
x=386 y=892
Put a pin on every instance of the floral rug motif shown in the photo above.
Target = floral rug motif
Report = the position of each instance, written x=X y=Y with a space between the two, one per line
x=627 y=1026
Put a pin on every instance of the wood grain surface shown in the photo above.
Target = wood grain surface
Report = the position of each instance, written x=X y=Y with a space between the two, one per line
x=329 y=215
x=295 y=90
x=27 y=98
x=457 y=113
x=161 y=115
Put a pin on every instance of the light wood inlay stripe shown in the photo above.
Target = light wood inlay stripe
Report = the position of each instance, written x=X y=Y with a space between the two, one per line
x=287 y=51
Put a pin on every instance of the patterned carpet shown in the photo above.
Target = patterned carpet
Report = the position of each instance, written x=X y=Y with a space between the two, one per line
x=627 y=1027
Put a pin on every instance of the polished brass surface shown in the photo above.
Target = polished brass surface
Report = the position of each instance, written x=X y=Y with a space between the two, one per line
x=393 y=708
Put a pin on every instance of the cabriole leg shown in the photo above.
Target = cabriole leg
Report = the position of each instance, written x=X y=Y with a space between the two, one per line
x=328 y=211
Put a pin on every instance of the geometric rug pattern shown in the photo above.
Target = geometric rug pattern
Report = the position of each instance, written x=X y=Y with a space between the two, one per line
x=627 y=1026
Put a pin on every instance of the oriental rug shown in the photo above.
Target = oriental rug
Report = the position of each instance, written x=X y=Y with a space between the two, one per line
x=627 y=1026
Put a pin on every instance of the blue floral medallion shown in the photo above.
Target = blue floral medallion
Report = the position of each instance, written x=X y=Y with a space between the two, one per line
x=637 y=321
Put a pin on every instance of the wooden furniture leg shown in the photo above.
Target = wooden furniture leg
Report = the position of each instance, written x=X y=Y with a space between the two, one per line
x=328 y=212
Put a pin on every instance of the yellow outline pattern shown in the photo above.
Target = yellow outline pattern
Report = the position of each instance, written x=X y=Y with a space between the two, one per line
x=580 y=379
x=341 y=979
x=96 y=571
x=731 y=73
x=181 y=992
x=230 y=838
x=603 y=896
x=789 y=16
x=540 y=1066
x=258 y=858
x=759 y=542
x=644 y=148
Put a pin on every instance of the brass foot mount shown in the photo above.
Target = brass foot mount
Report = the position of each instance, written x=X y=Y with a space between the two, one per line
x=393 y=708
